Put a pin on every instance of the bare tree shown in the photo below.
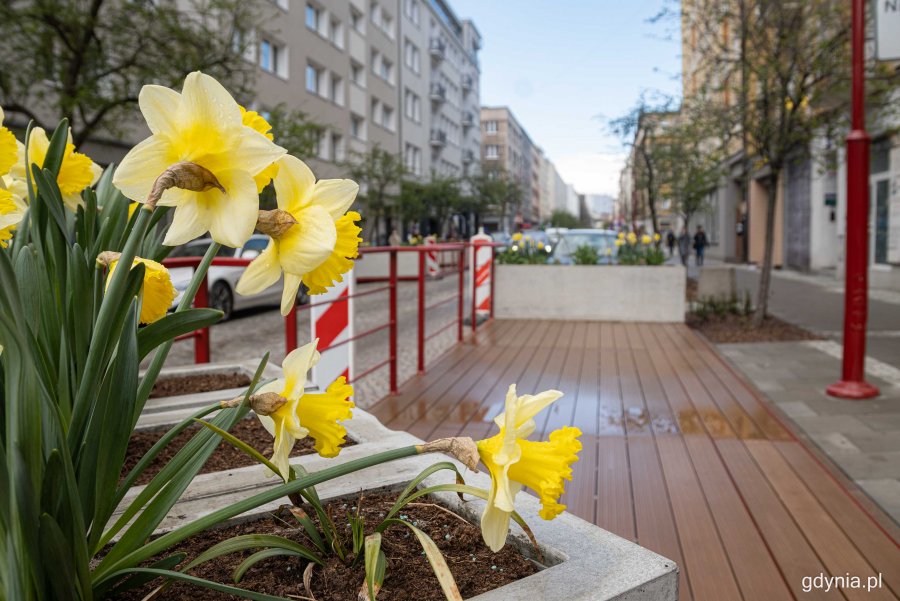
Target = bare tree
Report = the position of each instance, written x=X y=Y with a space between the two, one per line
x=86 y=60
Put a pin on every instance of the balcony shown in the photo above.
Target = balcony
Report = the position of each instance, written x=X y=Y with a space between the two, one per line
x=438 y=49
x=438 y=93
x=468 y=156
x=438 y=138
x=468 y=119
x=467 y=83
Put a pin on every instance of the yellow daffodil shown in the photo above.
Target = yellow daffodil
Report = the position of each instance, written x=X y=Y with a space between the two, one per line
x=540 y=245
x=157 y=293
x=514 y=462
x=257 y=122
x=306 y=414
x=645 y=239
x=517 y=236
x=319 y=247
x=9 y=148
x=76 y=173
x=656 y=237
x=10 y=216
x=132 y=207
x=621 y=235
x=619 y=242
x=608 y=252
x=200 y=125
x=632 y=238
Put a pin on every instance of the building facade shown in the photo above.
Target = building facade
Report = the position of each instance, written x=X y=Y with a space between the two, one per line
x=506 y=147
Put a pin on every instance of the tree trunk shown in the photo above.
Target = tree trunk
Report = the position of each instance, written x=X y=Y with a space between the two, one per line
x=765 y=276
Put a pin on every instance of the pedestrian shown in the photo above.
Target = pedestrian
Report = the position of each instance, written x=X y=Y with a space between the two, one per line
x=684 y=246
x=394 y=240
x=670 y=242
x=700 y=244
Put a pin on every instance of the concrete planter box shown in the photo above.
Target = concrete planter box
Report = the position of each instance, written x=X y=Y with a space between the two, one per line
x=717 y=283
x=591 y=292
x=584 y=562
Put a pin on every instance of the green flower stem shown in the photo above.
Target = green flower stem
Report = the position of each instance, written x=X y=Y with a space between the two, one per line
x=103 y=330
x=176 y=536
x=162 y=352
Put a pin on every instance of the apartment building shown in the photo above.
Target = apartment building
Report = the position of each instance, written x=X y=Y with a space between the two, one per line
x=439 y=87
x=506 y=147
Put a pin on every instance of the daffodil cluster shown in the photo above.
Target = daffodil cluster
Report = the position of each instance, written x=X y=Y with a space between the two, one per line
x=305 y=414
x=515 y=462
x=524 y=249
x=231 y=155
x=11 y=212
x=643 y=250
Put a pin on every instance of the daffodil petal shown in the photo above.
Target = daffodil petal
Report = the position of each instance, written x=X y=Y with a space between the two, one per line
x=144 y=163
x=232 y=216
x=187 y=223
x=531 y=405
x=494 y=527
x=308 y=243
x=205 y=100
x=159 y=105
x=255 y=152
x=296 y=366
x=263 y=272
x=294 y=184
x=289 y=294
x=335 y=195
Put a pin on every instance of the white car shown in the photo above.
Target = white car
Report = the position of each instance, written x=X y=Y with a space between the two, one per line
x=222 y=280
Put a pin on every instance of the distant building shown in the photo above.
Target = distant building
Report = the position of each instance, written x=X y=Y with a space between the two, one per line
x=505 y=146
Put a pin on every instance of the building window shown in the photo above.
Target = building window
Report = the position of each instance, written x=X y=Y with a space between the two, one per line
x=357 y=21
x=375 y=61
x=336 y=33
x=357 y=127
x=490 y=127
x=375 y=12
x=357 y=74
x=272 y=57
x=411 y=8
x=411 y=56
x=337 y=147
x=492 y=151
x=387 y=25
x=413 y=159
x=336 y=90
x=412 y=106
x=314 y=77
x=387 y=118
x=313 y=17
x=322 y=150
x=376 y=111
x=387 y=70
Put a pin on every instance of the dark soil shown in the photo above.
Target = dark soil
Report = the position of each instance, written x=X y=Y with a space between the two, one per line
x=409 y=576
x=175 y=385
x=225 y=457
x=691 y=289
x=732 y=327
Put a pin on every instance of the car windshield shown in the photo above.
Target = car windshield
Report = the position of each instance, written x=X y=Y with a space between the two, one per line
x=600 y=240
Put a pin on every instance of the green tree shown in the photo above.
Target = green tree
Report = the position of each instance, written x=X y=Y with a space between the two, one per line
x=494 y=192
x=379 y=174
x=87 y=60
x=442 y=198
x=563 y=218
x=295 y=131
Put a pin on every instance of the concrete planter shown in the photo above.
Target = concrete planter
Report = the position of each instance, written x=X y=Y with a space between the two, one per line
x=591 y=292
x=585 y=563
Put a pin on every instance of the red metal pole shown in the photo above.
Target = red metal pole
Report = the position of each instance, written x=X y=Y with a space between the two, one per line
x=462 y=290
x=392 y=331
x=421 y=314
x=474 y=270
x=853 y=384
x=201 y=342
x=290 y=331
x=493 y=258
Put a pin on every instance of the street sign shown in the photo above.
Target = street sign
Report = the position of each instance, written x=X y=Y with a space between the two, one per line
x=887 y=29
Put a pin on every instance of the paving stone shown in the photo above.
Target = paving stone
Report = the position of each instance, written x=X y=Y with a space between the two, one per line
x=835 y=442
x=881 y=422
x=885 y=492
x=796 y=409
x=868 y=466
x=876 y=442
x=831 y=423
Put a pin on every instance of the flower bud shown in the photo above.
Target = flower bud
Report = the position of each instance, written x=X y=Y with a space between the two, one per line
x=275 y=223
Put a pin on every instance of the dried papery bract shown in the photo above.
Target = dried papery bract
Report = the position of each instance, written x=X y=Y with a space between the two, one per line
x=275 y=223
x=264 y=403
x=184 y=175
x=462 y=448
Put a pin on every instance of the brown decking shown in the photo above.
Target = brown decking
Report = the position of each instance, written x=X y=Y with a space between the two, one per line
x=680 y=455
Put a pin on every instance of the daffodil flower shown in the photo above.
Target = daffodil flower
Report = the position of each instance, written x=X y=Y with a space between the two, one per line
x=517 y=236
x=9 y=148
x=306 y=414
x=10 y=216
x=76 y=172
x=201 y=125
x=157 y=291
x=319 y=248
x=645 y=239
x=257 y=122
x=656 y=237
x=514 y=462
x=632 y=238
x=620 y=235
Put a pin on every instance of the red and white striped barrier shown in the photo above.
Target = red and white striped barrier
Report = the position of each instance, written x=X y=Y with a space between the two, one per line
x=432 y=265
x=481 y=271
x=332 y=323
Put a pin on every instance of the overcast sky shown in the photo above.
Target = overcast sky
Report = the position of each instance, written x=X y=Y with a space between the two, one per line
x=565 y=67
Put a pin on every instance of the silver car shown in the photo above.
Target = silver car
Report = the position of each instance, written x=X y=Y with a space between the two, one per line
x=222 y=280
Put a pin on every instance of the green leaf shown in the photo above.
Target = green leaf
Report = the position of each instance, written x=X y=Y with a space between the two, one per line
x=50 y=196
x=437 y=561
x=253 y=541
x=57 y=149
x=56 y=552
x=224 y=588
x=310 y=528
x=138 y=580
x=375 y=564
x=402 y=499
x=258 y=557
x=239 y=445
x=173 y=325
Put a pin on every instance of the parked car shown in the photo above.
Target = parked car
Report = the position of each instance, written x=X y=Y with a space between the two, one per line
x=555 y=232
x=222 y=280
x=603 y=240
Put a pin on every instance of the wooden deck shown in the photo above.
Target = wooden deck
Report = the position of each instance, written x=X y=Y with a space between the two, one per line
x=680 y=455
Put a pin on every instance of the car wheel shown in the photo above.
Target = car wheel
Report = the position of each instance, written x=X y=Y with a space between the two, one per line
x=221 y=298
x=303 y=295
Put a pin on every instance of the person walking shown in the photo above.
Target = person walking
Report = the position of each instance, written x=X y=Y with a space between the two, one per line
x=700 y=244
x=684 y=246
x=670 y=242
